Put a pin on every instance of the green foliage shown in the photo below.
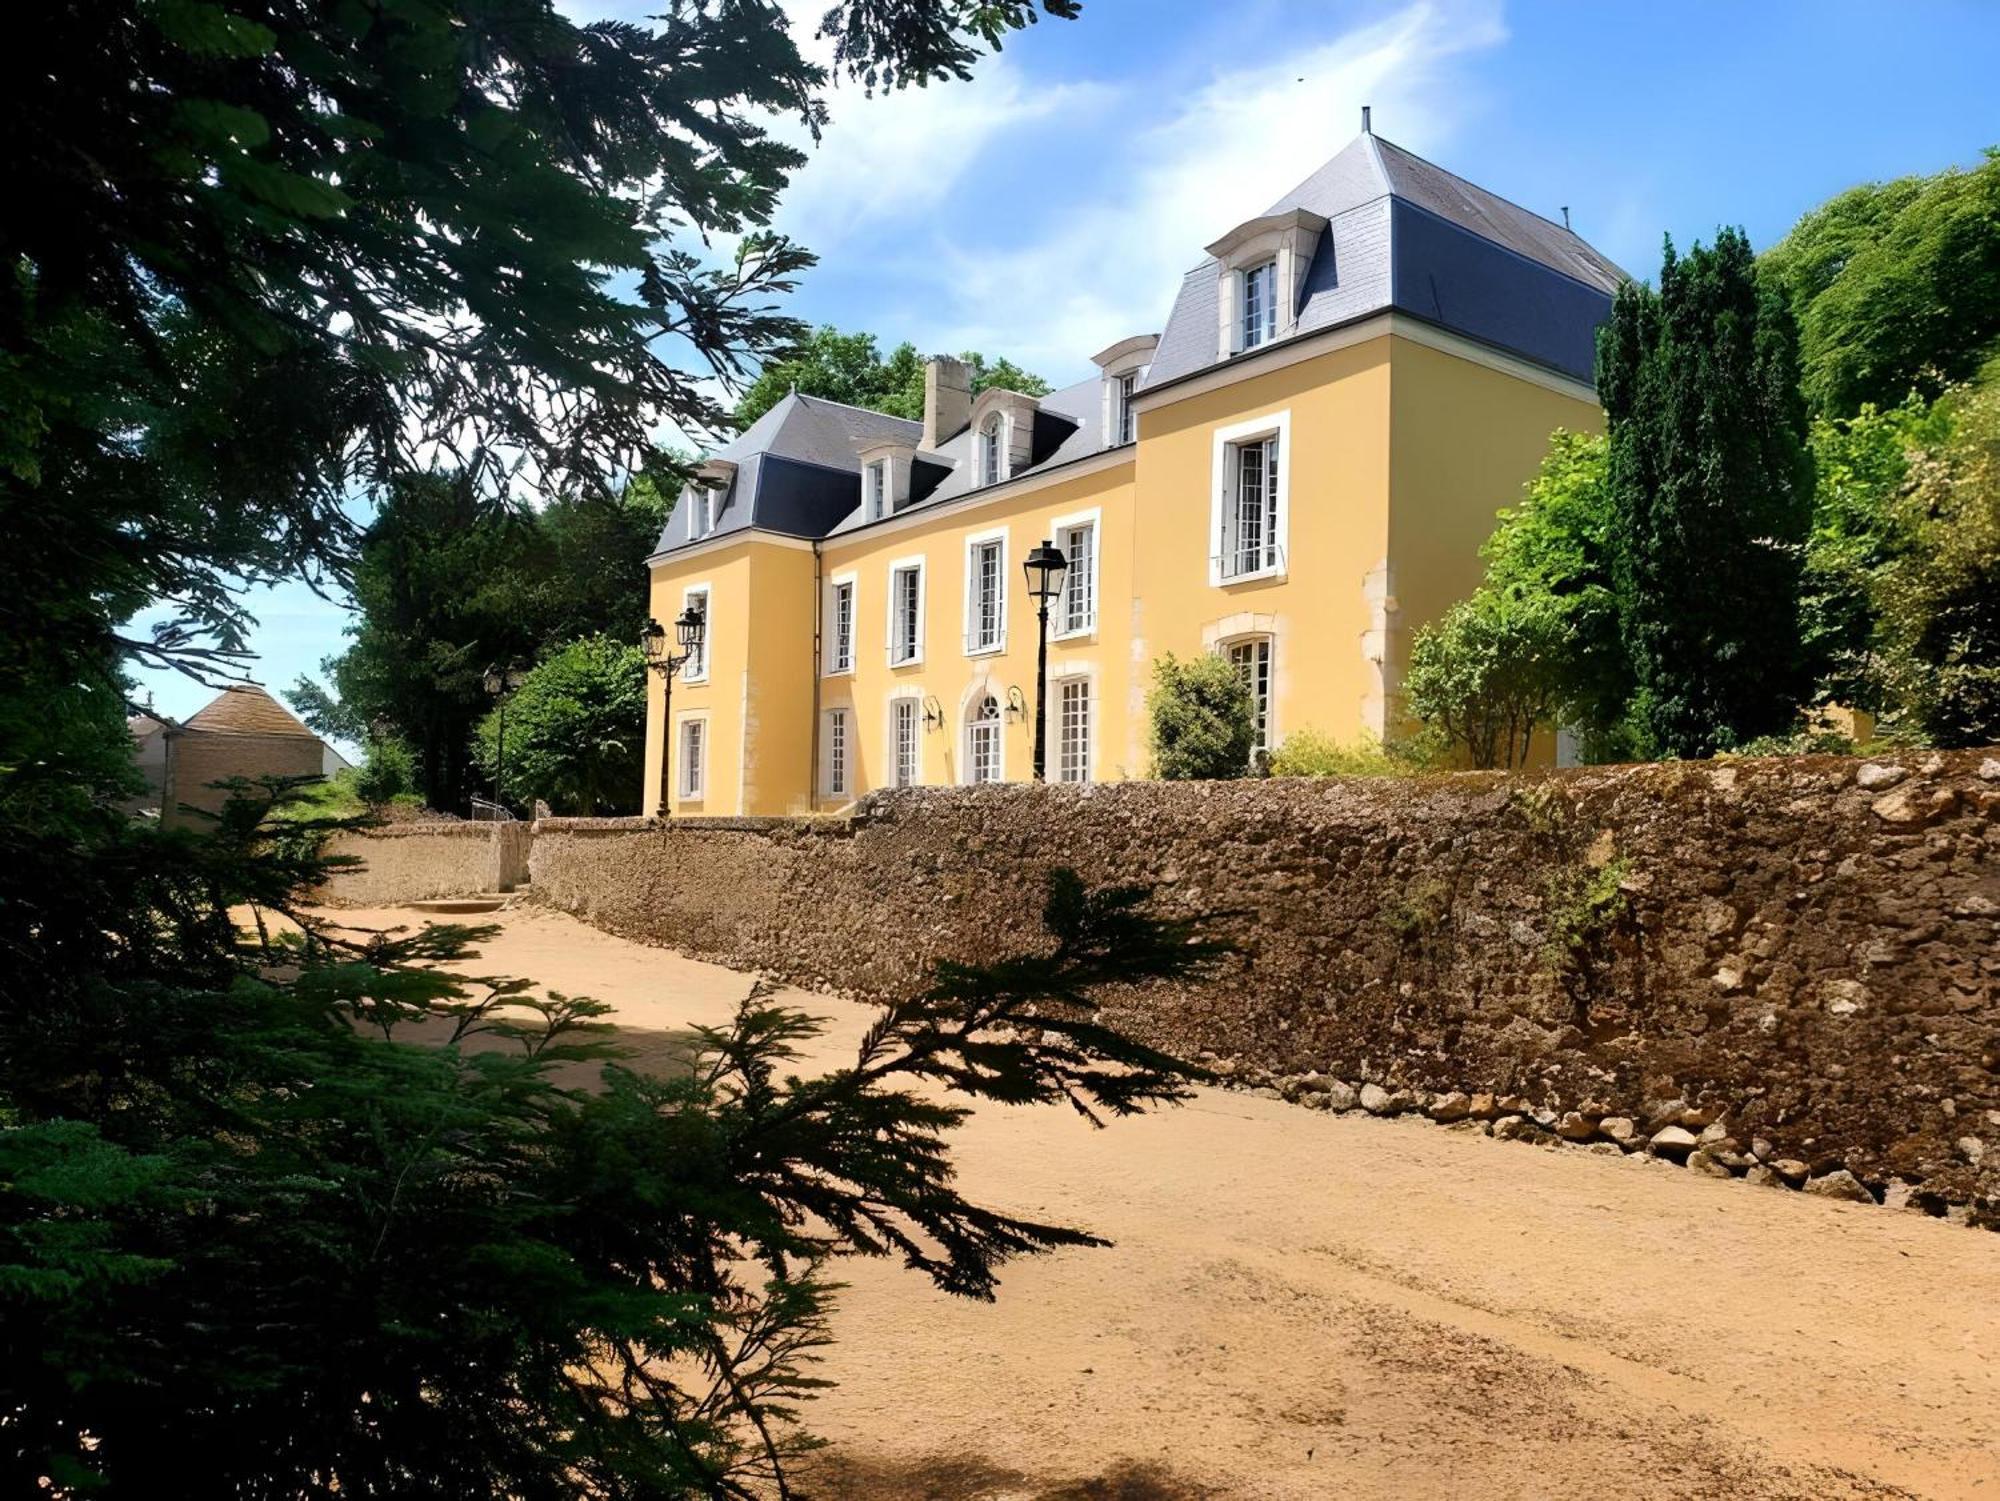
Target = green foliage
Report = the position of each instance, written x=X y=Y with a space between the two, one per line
x=576 y=731
x=1711 y=486
x=1896 y=287
x=1203 y=719
x=849 y=368
x=1418 y=911
x=1488 y=674
x=311 y=1216
x=388 y=774
x=1313 y=753
x=1581 y=903
x=1938 y=597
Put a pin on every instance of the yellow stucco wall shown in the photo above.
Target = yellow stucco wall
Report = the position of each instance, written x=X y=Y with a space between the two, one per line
x=1466 y=439
x=1396 y=457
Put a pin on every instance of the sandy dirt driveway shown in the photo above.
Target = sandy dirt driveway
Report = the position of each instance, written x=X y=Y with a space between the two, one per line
x=1303 y=1306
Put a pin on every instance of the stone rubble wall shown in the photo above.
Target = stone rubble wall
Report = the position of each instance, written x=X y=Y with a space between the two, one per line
x=417 y=862
x=1791 y=962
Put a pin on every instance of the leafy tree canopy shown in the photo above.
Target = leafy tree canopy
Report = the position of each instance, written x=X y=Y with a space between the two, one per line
x=575 y=732
x=849 y=368
x=1896 y=287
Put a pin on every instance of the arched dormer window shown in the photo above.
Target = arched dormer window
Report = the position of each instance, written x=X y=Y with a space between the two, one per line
x=993 y=450
x=1124 y=365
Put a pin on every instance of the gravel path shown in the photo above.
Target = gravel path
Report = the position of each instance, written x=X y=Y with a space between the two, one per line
x=1301 y=1305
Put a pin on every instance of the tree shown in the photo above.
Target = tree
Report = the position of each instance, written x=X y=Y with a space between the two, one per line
x=1489 y=674
x=849 y=368
x=576 y=731
x=1711 y=483
x=1203 y=719
x=1938 y=596
x=1896 y=288
x=1557 y=552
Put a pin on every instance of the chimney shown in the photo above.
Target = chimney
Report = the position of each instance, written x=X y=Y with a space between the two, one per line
x=947 y=400
x=1366 y=129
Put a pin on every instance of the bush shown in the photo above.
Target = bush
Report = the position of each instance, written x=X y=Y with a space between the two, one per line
x=576 y=731
x=389 y=773
x=1204 y=721
x=1313 y=753
x=1487 y=675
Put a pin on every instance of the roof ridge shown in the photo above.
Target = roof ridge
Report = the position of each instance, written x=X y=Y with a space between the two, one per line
x=1477 y=188
x=853 y=407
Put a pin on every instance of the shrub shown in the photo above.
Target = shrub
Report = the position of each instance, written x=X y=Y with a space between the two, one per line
x=1487 y=675
x=1314 y=753
x=387 y=774
x=1204 y=721
x=576 y=731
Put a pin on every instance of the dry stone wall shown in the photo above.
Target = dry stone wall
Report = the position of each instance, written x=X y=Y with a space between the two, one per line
x=418 y=861
x=1788 y=961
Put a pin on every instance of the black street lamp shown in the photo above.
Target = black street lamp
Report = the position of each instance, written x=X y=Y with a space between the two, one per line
x=1045 y=567
x=500 y=682
x=661 y=658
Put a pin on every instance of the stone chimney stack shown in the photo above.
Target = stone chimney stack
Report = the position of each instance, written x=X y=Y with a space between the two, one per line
x=947 y=400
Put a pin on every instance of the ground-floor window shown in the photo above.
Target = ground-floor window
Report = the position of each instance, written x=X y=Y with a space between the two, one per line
x=836 y=752
x=1251 y=657
x=982 y=741
x=1073 y=731
x=694 y=759
x=903 y=732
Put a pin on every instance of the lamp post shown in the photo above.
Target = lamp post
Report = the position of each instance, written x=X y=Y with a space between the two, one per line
x=501 y=681
x=1045 y=567
x=661 y=658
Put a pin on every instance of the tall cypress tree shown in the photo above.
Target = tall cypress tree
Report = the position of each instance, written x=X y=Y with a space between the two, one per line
x=1712 y=486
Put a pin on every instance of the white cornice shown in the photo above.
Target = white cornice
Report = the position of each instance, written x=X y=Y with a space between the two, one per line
x=1310 y=346
x=999 y=494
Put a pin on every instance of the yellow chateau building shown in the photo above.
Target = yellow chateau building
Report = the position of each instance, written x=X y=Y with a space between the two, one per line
x=1297 y=473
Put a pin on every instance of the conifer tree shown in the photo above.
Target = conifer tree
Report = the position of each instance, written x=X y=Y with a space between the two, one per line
x=1711 y=483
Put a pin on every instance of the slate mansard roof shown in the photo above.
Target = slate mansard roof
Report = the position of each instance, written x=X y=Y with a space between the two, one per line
x=1402 y=235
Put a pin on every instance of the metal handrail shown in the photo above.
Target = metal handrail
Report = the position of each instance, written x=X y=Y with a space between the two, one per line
x=484 y=810
x=1267 y=558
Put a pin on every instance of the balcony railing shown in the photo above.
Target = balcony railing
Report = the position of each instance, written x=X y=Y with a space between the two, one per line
x=1242 y=562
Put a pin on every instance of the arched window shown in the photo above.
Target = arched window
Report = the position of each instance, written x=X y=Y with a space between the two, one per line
x=982 y=741
x=989 y=451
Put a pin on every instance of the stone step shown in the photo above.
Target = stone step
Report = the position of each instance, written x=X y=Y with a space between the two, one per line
x=458 y=906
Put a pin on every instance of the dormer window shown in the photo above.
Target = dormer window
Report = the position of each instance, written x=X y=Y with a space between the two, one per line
x=992 y=450
x=1124 y=365
x=702 y=520
x=1260 y=305
x=1126 y=427
x=875 y=489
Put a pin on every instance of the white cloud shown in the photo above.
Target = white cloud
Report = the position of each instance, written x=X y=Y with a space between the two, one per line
x=1228 y=148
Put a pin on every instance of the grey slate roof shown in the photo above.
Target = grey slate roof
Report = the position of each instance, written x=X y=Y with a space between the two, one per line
x=1401 y=234
x=1405 y=234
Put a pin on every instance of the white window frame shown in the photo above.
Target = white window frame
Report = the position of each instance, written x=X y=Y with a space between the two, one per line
x=973 y=544
x=691 y=771
x=914 y=703
x=707 y=500
x=1061 y=683
x=1059 y=529
x=896 y=569
x=875 y=489
x=835 y=667
x=837 y=754
x=696 y=668
x=1124 y=420
x=985 y=693
x=990 y=450
x=1267 y=739
x=1268 y=332
x=1222 y=496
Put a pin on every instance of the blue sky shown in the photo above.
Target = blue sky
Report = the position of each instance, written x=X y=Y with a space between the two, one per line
x=1048 y=207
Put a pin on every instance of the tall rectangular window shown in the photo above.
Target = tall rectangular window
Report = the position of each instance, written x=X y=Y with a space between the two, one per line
x=1260 y=305
x=1073 y=731
x=1252 y=660
x=1079 y=589
x=875 y=482
x=1127 y=422
x=1250 y=519
x=903 y=731
x=982 y=741
x=906 y=614
x=842 y=654
x=694 y=759
x=985 y=595
x=836 y=752
x=695 y=669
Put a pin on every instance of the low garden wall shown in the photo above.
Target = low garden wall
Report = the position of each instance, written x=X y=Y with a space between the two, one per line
x=418 y=861
x=1803 y=949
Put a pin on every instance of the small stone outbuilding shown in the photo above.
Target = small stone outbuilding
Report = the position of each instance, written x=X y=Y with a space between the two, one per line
x=244 y=732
